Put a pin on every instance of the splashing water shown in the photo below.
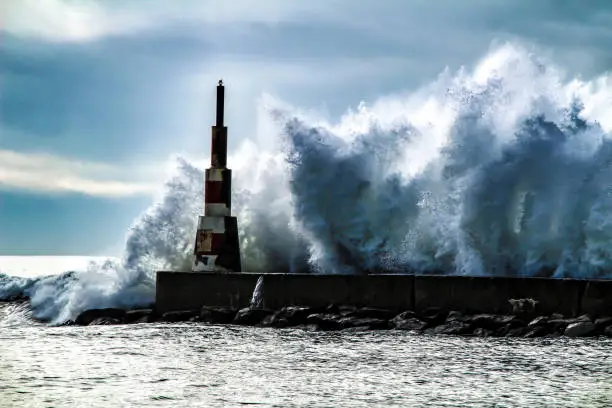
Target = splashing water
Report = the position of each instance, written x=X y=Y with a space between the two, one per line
x=257 y=297
x=502 y=170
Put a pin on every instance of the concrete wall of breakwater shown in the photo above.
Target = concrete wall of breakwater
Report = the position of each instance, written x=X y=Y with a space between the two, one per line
x=188 y=291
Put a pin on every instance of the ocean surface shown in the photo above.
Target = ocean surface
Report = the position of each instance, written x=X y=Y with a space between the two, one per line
x=498 y=169
x=194 y=365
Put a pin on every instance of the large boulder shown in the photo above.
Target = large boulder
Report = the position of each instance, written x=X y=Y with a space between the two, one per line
x=452 y=327
x=216 y=315
x=251 y=317
x=516 y=332
x=288 y=316
x=407 y=321
x=436 y=317
x=580 y=329
x=492 y=322
x=325 y=321
x=602 y=323
x=362 y=322
x=89 y=316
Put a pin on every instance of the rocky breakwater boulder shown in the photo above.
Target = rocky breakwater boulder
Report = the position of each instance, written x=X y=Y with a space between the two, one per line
x=289 y=316
x=521 y=323
x=251 y=316
x=216 y=315
x=208 y=314
x=349 y=318
x=482 y=325
x=100 y=317
x=407 y=320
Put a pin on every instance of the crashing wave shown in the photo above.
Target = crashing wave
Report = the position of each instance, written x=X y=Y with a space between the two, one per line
x=501 y=170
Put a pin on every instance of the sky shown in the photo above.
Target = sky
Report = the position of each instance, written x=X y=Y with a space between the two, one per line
x=96 y=96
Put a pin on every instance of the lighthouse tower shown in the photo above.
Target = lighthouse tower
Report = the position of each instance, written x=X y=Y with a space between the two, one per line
x=216 y=245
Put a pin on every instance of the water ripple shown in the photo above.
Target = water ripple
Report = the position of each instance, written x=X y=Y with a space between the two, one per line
x=216 y=366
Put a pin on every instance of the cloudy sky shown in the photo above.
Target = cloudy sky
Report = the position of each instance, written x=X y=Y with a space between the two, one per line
x=95 y=96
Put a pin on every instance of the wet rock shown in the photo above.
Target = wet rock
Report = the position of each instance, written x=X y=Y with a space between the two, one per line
x=434 y=316
x=179 y=316
x=405 y=315
x=104 y=321
x=556 y=316
x=288 y=316
x=325 y=321
x=455 y=327
x=455 y=315
x=482 y=332
x=542 y=326
x=216 y=315
x=561 y=324
x=295 y=314
x=491 y=322
x=251 y=317
x=538 y=331
x=138 y=316
x=88 y=316
x=275 y=320
x=580 y=329
x=602 y=323
x=370 y=322
x=410 y=323
x=516 y=332
x=538 y=321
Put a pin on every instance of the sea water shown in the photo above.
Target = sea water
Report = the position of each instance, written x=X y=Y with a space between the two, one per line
x=195 y=365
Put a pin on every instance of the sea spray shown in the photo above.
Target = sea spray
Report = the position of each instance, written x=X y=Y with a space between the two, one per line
x=257 y=297
x=501 y=170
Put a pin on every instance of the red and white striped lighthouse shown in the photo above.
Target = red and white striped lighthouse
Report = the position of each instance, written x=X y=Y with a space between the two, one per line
x=216 y=246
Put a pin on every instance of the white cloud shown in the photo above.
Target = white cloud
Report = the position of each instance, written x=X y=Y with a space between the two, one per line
x=59 y=20
x=44 y=173
x=87 y=20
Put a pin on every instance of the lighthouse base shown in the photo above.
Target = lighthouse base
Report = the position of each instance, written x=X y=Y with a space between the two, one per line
x=217 y=248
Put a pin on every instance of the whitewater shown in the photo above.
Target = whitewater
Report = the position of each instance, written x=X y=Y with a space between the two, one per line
x=499 y=169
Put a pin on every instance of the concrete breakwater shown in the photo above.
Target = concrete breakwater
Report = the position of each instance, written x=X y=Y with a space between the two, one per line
x=471 y=295
x=455 y=305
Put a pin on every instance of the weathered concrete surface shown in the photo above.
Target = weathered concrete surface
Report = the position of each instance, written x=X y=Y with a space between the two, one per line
x=492 y=294
x=191 y=291
x=597 y=298
x=380 y=291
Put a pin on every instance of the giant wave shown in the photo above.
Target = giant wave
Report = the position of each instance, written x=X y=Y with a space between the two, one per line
x=499 y=170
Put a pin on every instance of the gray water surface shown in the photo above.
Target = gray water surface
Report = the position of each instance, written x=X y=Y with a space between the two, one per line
x=192 y=365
